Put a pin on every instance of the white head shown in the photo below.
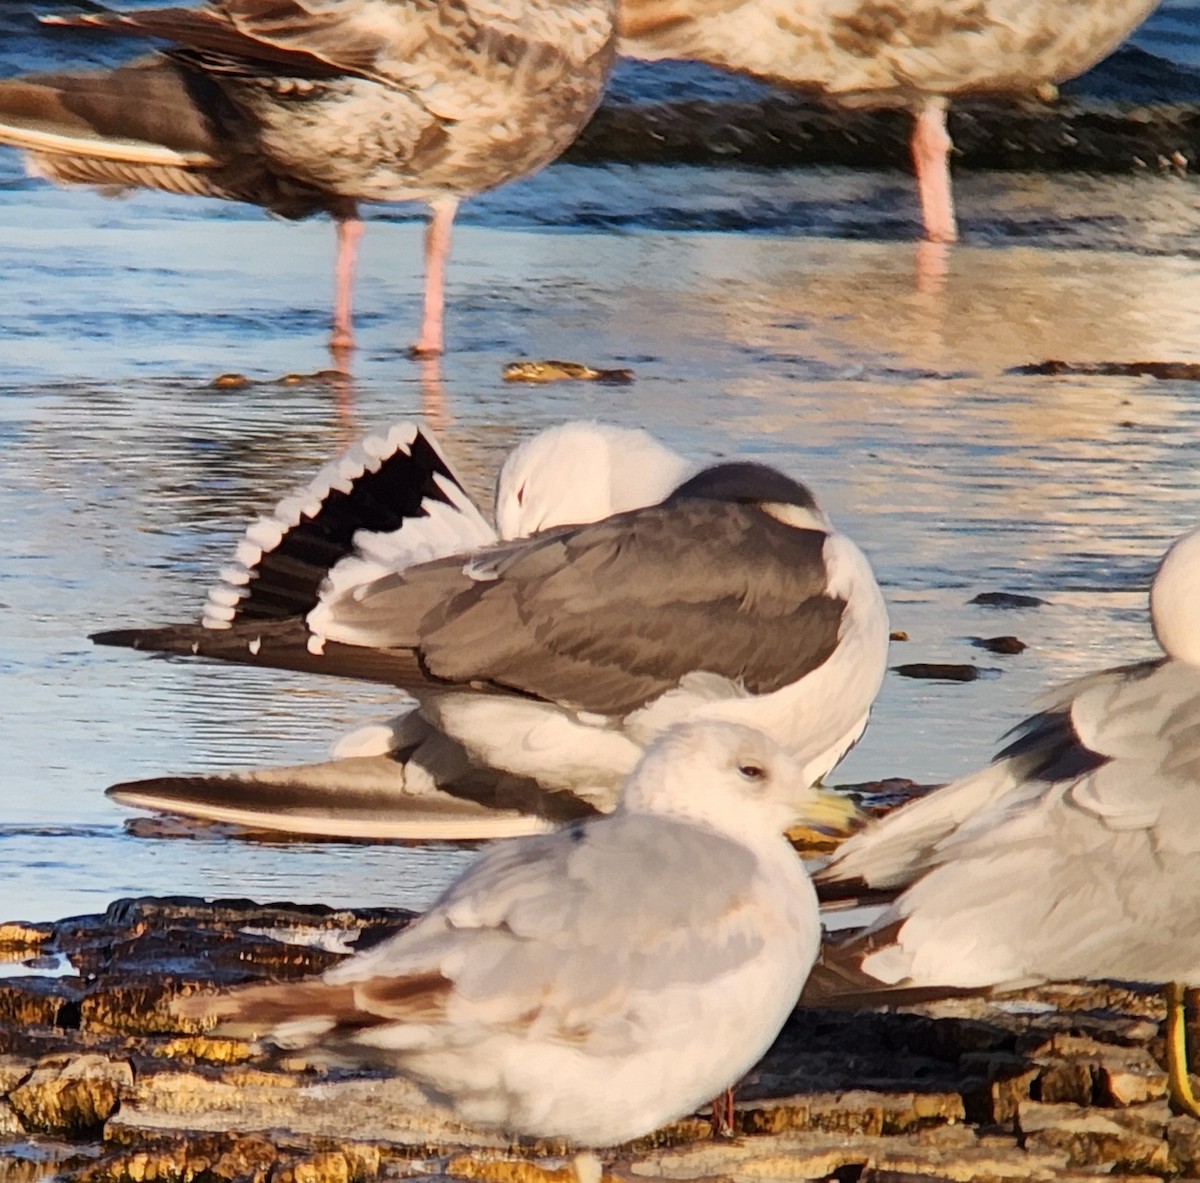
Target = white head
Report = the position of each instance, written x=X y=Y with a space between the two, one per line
x=1175 y=600
x=583 y=472
x=731 y=776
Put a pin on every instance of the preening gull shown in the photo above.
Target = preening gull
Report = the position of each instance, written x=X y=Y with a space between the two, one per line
x=541 y=666
x=303 y=106
x=1074 y=855
x=597 y=982
x=916 y=55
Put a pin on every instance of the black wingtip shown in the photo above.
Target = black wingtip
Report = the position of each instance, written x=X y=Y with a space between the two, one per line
x=121 y=638
x=171 y=638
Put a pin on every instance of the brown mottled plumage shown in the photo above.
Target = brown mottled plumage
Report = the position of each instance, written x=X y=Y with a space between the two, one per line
x=303 y=106
x=906 y=53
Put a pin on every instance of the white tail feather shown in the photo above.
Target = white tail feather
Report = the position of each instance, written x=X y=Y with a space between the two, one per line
x=18 y=134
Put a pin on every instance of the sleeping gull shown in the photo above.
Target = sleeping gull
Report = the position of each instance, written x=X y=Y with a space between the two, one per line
x=541 y=666
x=594 y=983
x=915 y=55
x=1072 y=856
x=303 y=106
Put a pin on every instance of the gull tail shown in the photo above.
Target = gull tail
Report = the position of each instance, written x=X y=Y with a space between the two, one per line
x=140 y=125
x=279 y=645
x=838 y=980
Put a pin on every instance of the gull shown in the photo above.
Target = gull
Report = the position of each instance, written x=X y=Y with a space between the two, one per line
x=541 y=665
x=875 y=53
x=306 y=106
x=594 y=983
x=1073 y=855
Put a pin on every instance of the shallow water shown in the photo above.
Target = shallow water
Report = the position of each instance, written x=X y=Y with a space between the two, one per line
x=775 y=315
x=126 y=479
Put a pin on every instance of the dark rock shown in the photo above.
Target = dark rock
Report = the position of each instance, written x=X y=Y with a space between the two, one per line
x=1006 y=600
x=880 y=796
x=39 y=1002
x=1005 y=644
x=767 y=127
x=1166 y=371
x=939 y=670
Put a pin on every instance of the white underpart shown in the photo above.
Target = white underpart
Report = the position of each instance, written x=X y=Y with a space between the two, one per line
x=562 y=750
x=1175 y=600
x=373 y=739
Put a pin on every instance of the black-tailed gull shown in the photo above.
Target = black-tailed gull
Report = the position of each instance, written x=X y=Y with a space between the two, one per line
x=597 y=982
x=1074 y=854
x=543 y=665
x=303 y=106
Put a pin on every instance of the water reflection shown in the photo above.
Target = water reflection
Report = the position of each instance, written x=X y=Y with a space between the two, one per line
x=127 y=478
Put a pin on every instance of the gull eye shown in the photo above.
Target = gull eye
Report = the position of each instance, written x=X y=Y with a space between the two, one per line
x=752 y=771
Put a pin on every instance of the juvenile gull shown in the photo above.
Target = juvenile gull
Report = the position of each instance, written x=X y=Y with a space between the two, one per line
x=1072 y=856
x=917 y=54
x=303 y=106
x=597 y=982
x=542 y=666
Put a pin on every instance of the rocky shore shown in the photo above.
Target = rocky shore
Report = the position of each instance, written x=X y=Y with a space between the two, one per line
x=783 y=130
x=99 y=1083
x=1133 y=112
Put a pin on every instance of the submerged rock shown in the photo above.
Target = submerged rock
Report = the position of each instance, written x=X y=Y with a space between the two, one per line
x=942 y=671
x=1005 y=644
x=1164 y=371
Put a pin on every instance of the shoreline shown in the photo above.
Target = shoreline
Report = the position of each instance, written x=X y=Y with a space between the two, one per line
x=100 y=1084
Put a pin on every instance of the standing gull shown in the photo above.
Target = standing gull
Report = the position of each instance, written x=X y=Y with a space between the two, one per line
x=542 y=666
x=918 y=54
x=303 y=106
x=594 y=983
x=1074 y=855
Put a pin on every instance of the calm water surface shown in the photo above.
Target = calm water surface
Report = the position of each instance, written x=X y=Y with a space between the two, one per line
x=790 y=333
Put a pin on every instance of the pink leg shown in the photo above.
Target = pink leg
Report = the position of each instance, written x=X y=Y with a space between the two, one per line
x=931 y=159
x=722 y=1115
x=437 y=251
x=349 y=231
